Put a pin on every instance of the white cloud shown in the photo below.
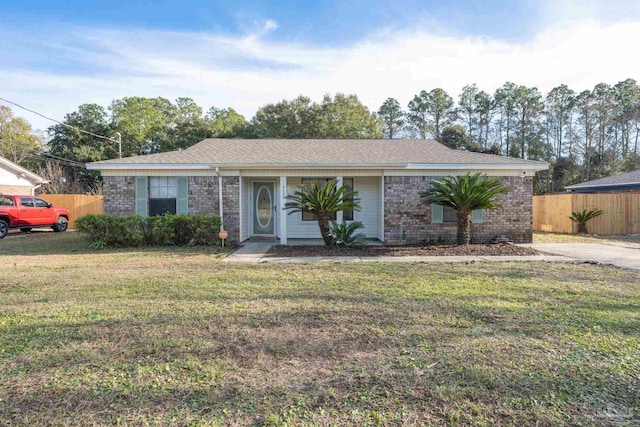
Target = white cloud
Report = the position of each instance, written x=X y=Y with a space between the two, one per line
x=270 y=25
x=248 y=71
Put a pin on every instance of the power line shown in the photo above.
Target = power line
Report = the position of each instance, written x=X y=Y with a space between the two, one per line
x=48 y=156
x=117 y=141
x=61 y=158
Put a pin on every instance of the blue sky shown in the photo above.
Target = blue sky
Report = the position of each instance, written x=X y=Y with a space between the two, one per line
x=55 y=55
x=319 y=22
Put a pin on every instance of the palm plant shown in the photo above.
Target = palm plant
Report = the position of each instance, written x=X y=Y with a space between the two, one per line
x=344 y=234
x=323 y=202
x=465 y=194
x=582 y=217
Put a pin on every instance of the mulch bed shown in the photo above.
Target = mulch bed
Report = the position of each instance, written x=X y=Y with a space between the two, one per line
x=435 y=250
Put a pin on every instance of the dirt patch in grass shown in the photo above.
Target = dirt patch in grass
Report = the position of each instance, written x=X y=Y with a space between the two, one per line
x=371 y=251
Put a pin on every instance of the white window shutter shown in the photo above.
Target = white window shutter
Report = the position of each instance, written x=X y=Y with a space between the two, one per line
x=436 y=213
x=142 y=195
x=182 y=201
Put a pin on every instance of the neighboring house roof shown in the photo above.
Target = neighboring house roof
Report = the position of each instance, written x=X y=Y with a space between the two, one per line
x=317 y=153
x=620 y=180
x=21 y=172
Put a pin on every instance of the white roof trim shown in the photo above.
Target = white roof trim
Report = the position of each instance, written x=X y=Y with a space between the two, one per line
x=480 y=166
x=148 y=166
x=435 y=166
x=30 y=176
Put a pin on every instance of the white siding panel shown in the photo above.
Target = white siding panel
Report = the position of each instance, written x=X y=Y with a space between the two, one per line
x=10 y=178
x=245 y=215
x=296 y=227
x=368 y=188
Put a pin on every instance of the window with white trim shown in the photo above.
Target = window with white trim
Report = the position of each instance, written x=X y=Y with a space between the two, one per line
x=163 y=192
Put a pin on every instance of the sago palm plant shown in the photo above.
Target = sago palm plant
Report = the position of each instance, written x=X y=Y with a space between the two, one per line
x=323 y=202
x=465 y=194
x=582 y=217
x=344 y=234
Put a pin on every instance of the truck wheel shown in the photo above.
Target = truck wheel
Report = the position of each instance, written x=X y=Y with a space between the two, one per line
x=25 y=230
x=4 y=228
x=60 y=225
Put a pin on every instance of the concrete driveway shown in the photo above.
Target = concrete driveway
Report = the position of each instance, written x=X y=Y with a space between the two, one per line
x=622 y=254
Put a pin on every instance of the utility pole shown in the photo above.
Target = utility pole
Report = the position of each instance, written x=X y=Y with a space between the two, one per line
x=119 y=138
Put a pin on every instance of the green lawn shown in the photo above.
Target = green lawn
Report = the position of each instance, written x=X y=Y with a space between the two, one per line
x=156 y=337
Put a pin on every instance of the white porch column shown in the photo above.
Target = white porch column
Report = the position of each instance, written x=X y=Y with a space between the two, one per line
x=281 y=211
x=339 y=214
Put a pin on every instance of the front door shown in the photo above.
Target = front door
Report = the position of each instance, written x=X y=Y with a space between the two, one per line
x=264 y=209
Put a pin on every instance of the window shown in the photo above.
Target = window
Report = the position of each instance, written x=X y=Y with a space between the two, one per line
x=40 y=203
x=445 y=214
x=449 y=214
x=347 y=215
x=163 y=192
x=163 y=187
x=26 y=201
x=6 y=201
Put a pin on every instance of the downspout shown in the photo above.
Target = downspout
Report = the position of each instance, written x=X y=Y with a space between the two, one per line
x=35 y=187
x=221 y=210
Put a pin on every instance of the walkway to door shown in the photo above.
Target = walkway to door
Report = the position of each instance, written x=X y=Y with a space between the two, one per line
x=252 y=250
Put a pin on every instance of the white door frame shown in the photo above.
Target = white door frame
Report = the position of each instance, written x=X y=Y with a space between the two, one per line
x=252 y=207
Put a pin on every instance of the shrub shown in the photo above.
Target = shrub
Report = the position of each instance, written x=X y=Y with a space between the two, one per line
x=131 y=231
x=112 y=231
x=183 y=230
x=342 y=234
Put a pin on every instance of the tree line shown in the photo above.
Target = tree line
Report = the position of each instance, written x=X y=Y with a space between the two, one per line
x=583 y=135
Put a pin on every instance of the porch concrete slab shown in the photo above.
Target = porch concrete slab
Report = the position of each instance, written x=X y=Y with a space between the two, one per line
x=320 y=242
x=620 y=255
x=251 y=251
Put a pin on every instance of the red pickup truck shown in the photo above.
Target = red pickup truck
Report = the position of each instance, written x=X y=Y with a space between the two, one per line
x=27 y=212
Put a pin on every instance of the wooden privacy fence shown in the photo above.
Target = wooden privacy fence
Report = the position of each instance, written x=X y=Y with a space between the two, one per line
x=621 y=212
x=78 y=204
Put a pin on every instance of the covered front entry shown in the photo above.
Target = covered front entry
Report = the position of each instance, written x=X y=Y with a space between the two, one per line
x=262 y=199
x=263 y=208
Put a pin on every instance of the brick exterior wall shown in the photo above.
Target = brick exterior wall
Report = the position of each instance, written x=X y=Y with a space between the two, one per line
x=405 y=222
x=203 y=195
x=408 y=222
x=203 y=200
x=231 y=205
x=120 y=198
x=119 y=195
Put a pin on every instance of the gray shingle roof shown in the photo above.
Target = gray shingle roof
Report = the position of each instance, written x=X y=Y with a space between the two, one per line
x=320 y=152
x=610 y=181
